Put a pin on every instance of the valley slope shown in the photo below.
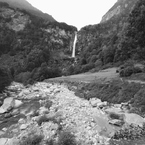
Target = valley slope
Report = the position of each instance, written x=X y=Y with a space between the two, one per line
x=117 y=38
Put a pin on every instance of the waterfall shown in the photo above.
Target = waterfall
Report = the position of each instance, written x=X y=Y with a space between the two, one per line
x=74 y=45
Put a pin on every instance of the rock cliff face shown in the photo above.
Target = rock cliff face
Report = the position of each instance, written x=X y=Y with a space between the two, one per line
x=28 y=41
x=120 y=7
x=112 y=40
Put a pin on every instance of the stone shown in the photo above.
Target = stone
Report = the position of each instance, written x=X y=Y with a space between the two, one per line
x=2 y=132
x=43 y=110
x=21 y=121
x=12 y=141
x=95 y=101
x=3 y=141
x=17 y=103
x=2 y=110
x=8 y=104
x=23 y=126
x=134 y=119
x=8 y=115
x=116 y=122
x=101 y=104
x=4 y=129
x=15 y=112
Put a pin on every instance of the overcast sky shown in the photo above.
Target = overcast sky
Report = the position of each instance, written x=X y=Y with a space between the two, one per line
x=78 y=13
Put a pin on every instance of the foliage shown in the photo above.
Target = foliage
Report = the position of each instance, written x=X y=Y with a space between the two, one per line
x=129 y=70
x=130 y=132
x=31 y=52
x=66 y=138
x=5 y=78
x=45 y=118
x=115 y=92
x=32 y=140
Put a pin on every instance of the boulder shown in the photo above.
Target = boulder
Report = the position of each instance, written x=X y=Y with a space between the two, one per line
x=17 y=103
x=23 y=126
x=116 y=122
x=43 y=110
x=2 y=110
x=8 y=115
x=95 y=101
x=101 y=104
x=3 y=141
x=15 y=112
x=21 y=121
x=4 y=129
x=134 y=119
x=2 y=132
x=8 y=104
x=12 y=141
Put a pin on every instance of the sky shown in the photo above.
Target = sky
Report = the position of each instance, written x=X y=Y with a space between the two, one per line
x=78 y=13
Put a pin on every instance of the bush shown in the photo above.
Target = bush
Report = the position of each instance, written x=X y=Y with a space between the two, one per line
x=66 y=138
x=50 y=142
x=87 y=67
x=48 y=104
x=128 y=71
x=5 y=79
x=44 y=118
x=32 y=140
x=23 y=77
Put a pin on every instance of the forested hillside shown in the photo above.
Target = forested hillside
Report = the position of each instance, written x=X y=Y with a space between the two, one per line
x=119 y=37
x=31 y=48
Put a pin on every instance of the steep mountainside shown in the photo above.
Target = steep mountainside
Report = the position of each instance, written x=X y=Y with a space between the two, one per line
x=24 y=4
x=32 y=49
x=119 y=37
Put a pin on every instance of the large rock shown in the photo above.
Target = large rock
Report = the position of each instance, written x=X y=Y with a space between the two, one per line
x=17 y=103
x=2 y=110
x=23 y=126
x=7 y=105
x=43 y=110
x=102 y=104
x=95 y=101
x=3 y=141
x=134 y=119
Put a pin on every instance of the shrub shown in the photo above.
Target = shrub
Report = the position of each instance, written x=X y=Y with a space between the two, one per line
x=23 y=77
x=66 y=138
x=87 y=67
x=5 y=79
x=50 y=142
x=126 y=72
x=32 y=140
x=48 y=104
x=44 y=118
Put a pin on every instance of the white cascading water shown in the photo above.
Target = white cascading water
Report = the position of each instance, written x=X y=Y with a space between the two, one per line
x=74 y=45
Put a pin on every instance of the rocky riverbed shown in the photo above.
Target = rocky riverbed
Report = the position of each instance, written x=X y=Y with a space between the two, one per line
x=46 y=109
